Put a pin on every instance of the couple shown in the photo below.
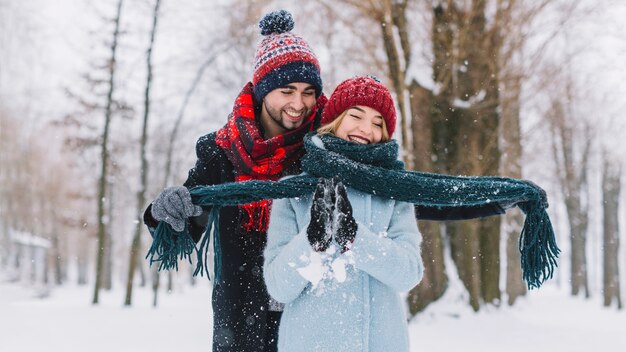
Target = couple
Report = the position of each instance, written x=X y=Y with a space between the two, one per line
x=334 y=252
x=263 y=140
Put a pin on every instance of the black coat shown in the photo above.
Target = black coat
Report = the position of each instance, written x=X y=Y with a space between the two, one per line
x=240 y=300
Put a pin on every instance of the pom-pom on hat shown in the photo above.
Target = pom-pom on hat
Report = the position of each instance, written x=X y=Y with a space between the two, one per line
x=361 y=90
x=283 y=57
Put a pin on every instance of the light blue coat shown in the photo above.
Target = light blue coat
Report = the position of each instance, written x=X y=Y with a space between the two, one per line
x=364 y=312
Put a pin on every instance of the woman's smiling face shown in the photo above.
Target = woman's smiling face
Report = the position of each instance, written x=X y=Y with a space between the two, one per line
x=362 y=125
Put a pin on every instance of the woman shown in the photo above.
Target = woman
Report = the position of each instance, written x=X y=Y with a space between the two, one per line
x=338 y=258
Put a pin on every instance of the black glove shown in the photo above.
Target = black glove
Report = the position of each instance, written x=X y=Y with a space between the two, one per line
x=319 y=231
x=174 y=206
x=346 y=225
x=542 y=192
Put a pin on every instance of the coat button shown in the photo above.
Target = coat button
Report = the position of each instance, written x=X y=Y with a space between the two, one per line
x=250 y=320
x=256 y=270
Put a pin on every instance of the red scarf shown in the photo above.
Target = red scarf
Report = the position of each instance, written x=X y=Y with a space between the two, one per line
x=256 y=158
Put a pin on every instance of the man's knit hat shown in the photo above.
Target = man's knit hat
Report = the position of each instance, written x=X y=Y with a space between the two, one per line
x=283 y=57
x=361 y=90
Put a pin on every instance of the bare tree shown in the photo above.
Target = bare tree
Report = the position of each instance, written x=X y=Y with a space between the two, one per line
x=611 y=178
x=571 y=148
x=143 y=171
x=463 y=123
x=5 y=146
x=435 y=280
x=104 y=156
x=107 y=275
x=521 y=64
x=513 y=19
x=516 y=18
x=511 y=167
x=479 y=71
x=34 y=186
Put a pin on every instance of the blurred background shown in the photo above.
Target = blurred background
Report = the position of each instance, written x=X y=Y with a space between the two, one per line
x=101 y=104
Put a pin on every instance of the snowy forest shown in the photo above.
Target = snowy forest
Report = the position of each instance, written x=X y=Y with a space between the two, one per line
x=101 y=104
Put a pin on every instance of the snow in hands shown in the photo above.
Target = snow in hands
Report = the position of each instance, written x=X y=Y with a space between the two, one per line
x=331 y=232
x=325 y=270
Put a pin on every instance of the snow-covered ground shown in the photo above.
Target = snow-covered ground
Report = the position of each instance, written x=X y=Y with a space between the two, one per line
x=547 y=320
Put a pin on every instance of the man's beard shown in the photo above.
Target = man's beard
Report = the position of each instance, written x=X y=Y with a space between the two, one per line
x=276 y=116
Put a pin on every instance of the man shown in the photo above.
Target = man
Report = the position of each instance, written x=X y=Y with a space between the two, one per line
x=261 y=141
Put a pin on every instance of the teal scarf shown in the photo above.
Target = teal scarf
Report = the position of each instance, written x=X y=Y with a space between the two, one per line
x=374 y=169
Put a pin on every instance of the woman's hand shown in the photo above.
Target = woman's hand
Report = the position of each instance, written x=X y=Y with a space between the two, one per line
x=346 y=225
x=319 y=232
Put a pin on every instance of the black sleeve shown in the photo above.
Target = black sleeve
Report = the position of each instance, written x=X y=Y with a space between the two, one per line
x=457 y=213
x=205 y=172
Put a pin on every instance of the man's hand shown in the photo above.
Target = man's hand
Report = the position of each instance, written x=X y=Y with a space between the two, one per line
x=174 y=206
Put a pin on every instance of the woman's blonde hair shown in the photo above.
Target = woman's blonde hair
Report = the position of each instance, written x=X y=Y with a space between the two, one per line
x=331 y=128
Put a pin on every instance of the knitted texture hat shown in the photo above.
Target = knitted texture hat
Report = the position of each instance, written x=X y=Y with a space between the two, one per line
x=361 y=90
x=283 y=57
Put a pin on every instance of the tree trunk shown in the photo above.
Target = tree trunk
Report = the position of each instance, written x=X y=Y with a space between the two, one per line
x=610 y=196
x=107 y=275
x=82 y=261
x=465 y=248
x=156 y=281
x=511 y=167
x=141 y=194
x=487 y=109
x=573 y=178
x=390 y=17
x=465 y=130
x=56 y=258
x=104 y=156
x=435 y=280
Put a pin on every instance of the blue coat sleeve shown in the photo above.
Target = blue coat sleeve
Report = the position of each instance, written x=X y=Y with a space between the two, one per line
x=393 y=258
x=287 y=250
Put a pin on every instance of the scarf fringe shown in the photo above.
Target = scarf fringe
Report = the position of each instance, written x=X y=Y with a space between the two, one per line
x=203 y=250
x=168 y=246
x=537 y=246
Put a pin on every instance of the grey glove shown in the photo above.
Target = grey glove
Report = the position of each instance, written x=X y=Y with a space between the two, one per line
x=174 y=206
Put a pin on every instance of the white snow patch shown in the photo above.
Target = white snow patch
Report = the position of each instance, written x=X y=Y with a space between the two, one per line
x=548 y=319
x=313 y=271
x=339 y=269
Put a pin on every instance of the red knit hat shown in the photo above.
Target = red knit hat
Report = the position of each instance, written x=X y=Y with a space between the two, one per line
x=361 y=90
x=283 y=57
